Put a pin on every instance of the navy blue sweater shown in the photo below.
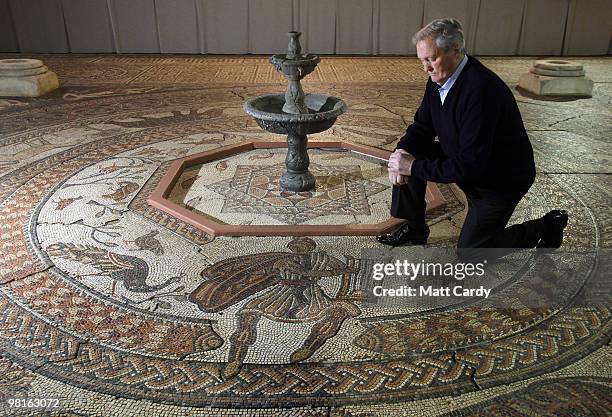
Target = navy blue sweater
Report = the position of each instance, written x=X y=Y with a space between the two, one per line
x=481 y=133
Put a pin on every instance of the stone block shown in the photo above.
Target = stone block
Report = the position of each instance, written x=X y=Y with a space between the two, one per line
x=557 y=78
x=25 y=78
x=557 y=73
x=558 y=65
x=543 y=85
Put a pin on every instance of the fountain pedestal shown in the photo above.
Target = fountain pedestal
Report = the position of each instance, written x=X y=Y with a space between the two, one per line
x=297 y=177
x=269 y=114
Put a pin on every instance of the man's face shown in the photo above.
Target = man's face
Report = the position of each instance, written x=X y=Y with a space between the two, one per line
x=436 y=63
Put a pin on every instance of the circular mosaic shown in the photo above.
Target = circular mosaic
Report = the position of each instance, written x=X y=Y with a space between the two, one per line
x=101 y=291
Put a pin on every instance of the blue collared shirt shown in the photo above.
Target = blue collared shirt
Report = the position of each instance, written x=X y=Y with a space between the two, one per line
x=445 y=88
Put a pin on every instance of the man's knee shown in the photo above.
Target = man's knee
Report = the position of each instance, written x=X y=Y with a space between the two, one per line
x=469 y=255
x=472 y=251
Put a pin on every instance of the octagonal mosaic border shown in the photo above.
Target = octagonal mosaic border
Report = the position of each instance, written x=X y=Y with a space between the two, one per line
x=159 y=198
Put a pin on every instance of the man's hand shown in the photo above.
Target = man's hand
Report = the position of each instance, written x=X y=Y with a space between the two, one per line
x=396 y=178
x=400 y=162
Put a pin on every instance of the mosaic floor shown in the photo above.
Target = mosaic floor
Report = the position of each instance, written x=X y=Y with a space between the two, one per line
x=115 y=308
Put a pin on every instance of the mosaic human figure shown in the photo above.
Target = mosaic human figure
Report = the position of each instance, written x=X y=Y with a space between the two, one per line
x=291 y=294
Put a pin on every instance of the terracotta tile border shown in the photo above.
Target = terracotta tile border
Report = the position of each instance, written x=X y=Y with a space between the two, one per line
x=159 y=197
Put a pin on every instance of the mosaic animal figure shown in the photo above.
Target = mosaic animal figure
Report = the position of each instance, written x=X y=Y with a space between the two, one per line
x=125 y=189
x=131 y=271
x=65 y=202
x=148 y=242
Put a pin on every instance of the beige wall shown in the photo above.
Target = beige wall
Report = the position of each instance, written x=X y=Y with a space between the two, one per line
x=371 y=27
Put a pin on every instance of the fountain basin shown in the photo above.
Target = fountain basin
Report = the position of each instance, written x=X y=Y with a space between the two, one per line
x=211 y=218
x=322 y=113
x=268 y=111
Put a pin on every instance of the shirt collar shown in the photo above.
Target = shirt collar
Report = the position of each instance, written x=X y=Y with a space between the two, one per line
x=449 y=83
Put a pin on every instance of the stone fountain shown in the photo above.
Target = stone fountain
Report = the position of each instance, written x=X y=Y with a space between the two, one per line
x=295 y=114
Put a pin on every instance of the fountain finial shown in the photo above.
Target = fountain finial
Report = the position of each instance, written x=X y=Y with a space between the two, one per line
x=294 y=49
x=294 y=67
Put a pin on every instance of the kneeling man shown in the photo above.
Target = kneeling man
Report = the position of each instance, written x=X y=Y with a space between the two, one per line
x=482 y=146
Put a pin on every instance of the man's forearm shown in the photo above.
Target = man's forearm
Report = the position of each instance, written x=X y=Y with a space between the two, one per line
x=421 y=130
x=416 y=136
x=440 y=170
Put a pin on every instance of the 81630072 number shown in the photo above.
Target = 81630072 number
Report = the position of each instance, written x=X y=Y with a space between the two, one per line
x=33 y=402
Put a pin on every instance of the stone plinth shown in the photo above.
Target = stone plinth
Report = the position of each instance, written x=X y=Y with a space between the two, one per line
x=557 y=78
x=26 y=78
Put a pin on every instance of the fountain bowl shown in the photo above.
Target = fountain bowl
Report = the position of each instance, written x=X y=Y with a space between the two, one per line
x=268 y=111
x=295 y=68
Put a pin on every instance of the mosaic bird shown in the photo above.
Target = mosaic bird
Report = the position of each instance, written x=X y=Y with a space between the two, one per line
x=149 y=242
x=125 y=189
x=65 y=202
x=110 y=169
x=131 y=271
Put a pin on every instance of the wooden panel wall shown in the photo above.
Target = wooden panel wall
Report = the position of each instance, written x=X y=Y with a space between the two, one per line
x=466 y=11
x=318 y=25
x=269 y=22
x=370 y=27
x=177 y=26
x=225 y=26
x=588 y=27
x=398 y=20
x=135 y=25
x=499 y=27
x=543 y=27
x=39 y=25
x=89 y=26
x=354 y=31
x=8 y=39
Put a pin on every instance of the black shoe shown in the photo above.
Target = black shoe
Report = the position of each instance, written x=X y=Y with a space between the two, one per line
x=554 y=221
x=405 y=235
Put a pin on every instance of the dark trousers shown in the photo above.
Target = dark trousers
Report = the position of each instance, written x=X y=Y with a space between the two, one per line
x=485 y=224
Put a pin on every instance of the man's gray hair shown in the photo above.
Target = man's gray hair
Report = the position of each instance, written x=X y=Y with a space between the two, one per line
x=447 y=33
